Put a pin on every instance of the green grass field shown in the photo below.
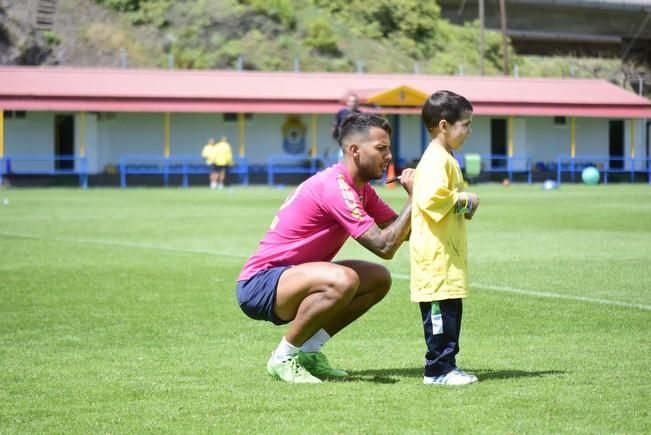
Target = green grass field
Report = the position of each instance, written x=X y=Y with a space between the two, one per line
x=118 y=315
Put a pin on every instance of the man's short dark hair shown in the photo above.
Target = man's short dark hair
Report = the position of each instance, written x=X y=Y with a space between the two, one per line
x=357 y=123
x=444 y=105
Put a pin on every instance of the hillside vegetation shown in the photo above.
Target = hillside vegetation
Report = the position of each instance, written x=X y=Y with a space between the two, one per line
x=310 y=35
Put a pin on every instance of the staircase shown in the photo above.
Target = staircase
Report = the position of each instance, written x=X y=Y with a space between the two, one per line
x=45 y=11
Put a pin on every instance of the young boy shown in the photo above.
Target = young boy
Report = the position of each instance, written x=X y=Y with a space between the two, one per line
x=439 y=260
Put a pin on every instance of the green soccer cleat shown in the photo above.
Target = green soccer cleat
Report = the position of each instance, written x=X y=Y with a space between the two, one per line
x=317 y=364
x=291 y=371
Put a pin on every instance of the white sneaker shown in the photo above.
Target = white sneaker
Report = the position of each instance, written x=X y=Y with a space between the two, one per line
x=453 y=377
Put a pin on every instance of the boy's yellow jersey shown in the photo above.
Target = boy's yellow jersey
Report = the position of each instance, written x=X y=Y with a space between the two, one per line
x=439 y=256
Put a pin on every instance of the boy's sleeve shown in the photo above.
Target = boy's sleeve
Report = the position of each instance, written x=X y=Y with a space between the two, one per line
x=433 y=194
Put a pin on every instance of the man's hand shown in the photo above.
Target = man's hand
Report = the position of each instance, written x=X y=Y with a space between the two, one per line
x=407 y=179
x=384 y=240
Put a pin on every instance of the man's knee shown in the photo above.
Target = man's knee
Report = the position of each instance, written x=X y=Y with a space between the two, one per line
x=343 y=283
x=381 y=281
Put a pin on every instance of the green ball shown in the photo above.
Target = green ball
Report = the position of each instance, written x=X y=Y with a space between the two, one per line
x=590 y=175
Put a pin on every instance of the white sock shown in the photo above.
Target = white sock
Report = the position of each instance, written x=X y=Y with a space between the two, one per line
x=284 y=351
x=316 y=342
x=213 y=184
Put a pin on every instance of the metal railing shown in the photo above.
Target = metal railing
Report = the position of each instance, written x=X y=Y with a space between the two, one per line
x=296 y=165
x=150 y=164
x=606 y=165
x=44 y=164
x=499 y=163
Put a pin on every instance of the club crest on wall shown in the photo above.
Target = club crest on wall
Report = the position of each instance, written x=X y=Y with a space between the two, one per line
x=294 y=135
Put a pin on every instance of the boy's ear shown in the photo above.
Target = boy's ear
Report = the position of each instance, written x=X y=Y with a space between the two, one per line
x=443 y=125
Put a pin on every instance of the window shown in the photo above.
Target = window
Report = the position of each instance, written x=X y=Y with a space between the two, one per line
x=560 y=120
x=14 y=114
x=232 y=117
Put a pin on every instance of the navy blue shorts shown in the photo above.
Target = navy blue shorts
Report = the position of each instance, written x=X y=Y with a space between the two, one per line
x=257 y=295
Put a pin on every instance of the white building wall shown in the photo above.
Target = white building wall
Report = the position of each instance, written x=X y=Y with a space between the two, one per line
x=104 y=138
x=519 y=125
x=32 y=135
x=109 y=136
x=544 y=141
x=592 y=137
x=479 y=141
x=189 y=132
x=142 y=133
x=130 y=133
x=264 y=136
x=410 y=138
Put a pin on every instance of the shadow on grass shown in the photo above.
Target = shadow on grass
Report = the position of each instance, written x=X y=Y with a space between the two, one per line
x=390 y=376
x=485 y=375
x=382 y=376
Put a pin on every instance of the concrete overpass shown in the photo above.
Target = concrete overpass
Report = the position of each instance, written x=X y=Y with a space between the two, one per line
x=612 y=28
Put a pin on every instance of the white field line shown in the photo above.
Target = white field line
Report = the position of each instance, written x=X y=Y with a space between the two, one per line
x=402 y=276
x=123 y=244
x=545 y=294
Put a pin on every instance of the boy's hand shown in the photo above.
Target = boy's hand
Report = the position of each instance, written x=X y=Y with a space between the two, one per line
x=407 y=179
x=473 y=202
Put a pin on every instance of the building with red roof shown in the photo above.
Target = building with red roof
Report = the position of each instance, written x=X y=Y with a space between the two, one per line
x=103 y=114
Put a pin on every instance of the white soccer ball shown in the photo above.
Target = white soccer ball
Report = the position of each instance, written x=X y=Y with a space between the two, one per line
x=550 y=185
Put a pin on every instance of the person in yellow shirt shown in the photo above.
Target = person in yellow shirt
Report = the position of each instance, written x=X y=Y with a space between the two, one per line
x=439 y=260
x=219 y=156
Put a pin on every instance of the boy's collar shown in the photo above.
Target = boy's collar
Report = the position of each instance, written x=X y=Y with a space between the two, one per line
x=439 y=144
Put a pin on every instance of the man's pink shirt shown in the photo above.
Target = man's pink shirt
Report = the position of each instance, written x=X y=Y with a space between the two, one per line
x=315 y=221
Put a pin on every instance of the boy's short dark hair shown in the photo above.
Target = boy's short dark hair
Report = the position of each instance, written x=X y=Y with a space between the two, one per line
x=362 y=123
x=444 y=105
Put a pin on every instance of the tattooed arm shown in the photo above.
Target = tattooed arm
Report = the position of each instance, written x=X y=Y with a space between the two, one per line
x=385 y=242
x=385 y=239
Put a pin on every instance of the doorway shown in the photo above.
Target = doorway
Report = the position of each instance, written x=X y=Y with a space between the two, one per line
x=616 y=143
x=64 y=141
x=498 y=141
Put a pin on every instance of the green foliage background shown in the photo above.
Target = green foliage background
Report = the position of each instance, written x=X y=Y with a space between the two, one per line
x=383 y=36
